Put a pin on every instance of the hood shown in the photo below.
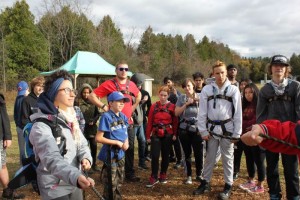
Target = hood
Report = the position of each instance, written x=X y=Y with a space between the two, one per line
x=46 y=106
x=226 y=83
x=138 y=79
x=85 y=85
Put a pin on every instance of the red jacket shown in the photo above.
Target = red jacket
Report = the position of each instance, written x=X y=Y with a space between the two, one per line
x=287 y=131
x=165 y=118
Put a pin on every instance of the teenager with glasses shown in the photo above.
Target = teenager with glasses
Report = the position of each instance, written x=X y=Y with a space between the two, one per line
x=128 y=88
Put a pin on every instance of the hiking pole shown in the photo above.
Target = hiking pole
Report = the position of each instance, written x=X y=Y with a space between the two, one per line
x=93 y=187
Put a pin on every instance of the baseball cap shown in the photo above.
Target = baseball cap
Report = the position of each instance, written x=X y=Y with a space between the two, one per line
x=231 y=66
x=279 y=59
x=22 y=86
x=116 y=96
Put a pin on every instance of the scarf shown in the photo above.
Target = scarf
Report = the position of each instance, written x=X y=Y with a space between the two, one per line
x=279 y=88
x=72 y=121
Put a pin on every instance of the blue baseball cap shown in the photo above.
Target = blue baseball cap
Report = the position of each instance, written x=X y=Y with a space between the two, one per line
x=116 y=96
x=22 y=86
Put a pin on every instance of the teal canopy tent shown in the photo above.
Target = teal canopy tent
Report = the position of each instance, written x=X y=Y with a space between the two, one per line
x=87 y=64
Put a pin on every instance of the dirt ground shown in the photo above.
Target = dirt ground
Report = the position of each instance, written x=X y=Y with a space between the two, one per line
x=174 y=189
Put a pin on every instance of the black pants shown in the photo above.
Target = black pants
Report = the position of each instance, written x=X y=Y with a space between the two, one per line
x=290 y=171
x=255 y=158
x=191 y=141
x=93 y=147
x=238 y=152
x=129 y=154
x=177 y=149
x=160 y=145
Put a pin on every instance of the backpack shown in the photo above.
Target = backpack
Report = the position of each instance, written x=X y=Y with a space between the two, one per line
x=29 y=155
x=27 y=174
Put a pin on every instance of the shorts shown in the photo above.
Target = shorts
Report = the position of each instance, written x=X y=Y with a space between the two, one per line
x=3 y=153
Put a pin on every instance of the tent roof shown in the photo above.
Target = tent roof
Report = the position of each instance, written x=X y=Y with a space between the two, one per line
x=87 y=63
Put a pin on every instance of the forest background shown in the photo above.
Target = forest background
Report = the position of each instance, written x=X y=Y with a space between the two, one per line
x=29 y=46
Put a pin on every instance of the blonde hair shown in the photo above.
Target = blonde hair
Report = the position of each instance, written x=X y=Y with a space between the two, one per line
x=40 y=80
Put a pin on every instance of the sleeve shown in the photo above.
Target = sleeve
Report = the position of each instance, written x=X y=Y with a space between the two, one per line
x=47 y=151
x=286 y=131
x=150 y=122
x=174 y=121
x=297 y=102
x=180 y=100
x=261 y=108
x=104 y=123
x=202 y=113
x=237 y=117
x=84 y=150
x=133 y=88
x=5 y=120
x=25 y=110
x=104 y=89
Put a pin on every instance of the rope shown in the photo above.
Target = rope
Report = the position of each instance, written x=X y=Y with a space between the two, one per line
x=279 y=141
x=261 y=135
x=93 y=187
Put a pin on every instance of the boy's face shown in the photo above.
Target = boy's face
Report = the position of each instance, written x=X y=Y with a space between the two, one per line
x=117 y=106
x=220 y=73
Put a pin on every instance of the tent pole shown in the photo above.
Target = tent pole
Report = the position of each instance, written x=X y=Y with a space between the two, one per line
x=76 y=75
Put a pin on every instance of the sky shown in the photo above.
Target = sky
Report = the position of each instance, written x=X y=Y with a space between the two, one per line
x=252 y=28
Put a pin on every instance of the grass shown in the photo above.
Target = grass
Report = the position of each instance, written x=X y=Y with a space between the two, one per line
x=174 y=189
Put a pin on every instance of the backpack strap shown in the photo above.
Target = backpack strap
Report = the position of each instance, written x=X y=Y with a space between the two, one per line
x=219 y=96
x=126 y=91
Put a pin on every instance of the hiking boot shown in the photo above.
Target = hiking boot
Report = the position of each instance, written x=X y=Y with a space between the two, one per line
x=10 y=194
x=248 y=185
x=152 y=182
x=143 y=167
x=275 y=196
x=203 y=188
x=177 y=165
x=163 y=178
x=133 y=179
x=226 y=192
x=257 y=190
x=198 y=178
x=189 y=180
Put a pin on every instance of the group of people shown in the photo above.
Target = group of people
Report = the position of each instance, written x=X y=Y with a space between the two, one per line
x=206 y=121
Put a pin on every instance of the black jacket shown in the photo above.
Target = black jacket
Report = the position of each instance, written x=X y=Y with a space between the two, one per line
x=5 y=132
x=29 y=107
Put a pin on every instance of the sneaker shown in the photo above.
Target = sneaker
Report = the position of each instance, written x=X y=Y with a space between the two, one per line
x=257 y=190
x=226 y=192
x=163 y=178
x=248 y=185
x=148 y=158
x=235 y=175
x=204 y=187
x=10 y=194
x=143 y=167
x=152 y=182
x=189 y=180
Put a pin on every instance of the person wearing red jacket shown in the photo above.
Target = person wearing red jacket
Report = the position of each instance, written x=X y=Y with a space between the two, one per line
x=286 y=131
x=161 y=130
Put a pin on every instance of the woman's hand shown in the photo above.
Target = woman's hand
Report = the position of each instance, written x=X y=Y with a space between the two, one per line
x=85 y=164
x=85 y=182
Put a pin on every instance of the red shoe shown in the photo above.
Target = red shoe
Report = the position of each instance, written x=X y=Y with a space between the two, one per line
x=152 y=182
x=163 y=178
x=248 y=185
x=257 y=190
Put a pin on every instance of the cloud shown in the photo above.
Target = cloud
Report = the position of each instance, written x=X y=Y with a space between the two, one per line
x=252 y=28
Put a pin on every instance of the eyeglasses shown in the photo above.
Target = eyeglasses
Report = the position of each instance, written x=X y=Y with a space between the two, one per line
x=122 y=69
x=68 y=90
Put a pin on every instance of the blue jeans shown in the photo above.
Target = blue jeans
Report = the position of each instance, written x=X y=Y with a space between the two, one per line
x=139 y=132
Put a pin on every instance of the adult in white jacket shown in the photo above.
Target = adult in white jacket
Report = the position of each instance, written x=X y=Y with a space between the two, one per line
x=220 y=112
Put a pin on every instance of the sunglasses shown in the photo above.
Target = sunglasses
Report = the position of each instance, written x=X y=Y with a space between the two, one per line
x=122 y=69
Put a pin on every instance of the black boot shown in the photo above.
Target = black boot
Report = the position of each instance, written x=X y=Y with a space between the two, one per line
x=226 y=192
x=203 y=188
x=10 y=194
